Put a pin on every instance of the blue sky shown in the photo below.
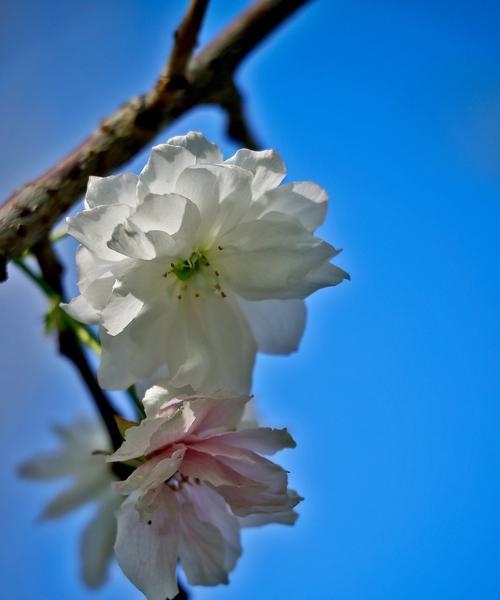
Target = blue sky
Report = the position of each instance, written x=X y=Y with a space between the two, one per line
x=394 y=108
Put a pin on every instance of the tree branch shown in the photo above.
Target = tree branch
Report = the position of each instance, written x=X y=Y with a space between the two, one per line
x=238 y=127
x=182 y=595
x=29 y=213
x=186 y=39
x=69 y=345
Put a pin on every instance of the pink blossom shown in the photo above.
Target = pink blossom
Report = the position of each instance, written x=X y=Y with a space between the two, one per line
x=198 y=480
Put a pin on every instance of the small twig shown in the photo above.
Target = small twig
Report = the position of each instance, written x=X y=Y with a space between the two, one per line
x=186 y=39
x=69 y=345
x=237 y=127
x=132 y=394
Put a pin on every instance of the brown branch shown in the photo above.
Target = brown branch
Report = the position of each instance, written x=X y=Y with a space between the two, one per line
x=69 y=345
x=28 y=215
x=186 y=39
x=237 y=127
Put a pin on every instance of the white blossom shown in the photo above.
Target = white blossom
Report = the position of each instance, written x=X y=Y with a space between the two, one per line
x=198 y=480
x=197 y=263
x=92 y=481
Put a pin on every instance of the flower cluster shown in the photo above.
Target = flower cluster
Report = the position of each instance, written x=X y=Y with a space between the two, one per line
x=188 y=270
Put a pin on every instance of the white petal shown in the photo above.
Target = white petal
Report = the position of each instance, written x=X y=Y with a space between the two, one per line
x=217 y=414
x=155 y=433
x=165 y=164
x=277 y=325
x=199 y=146
x=98 y=540
x=164 y=212
x=155 y=396
x=120 y=311
x=93 y=228
x=147 y=550
x=96 y=280
x=143 y=279
x=262 y=440
x=115 y=189
x=214 y=470
x=171 y=222
x=287 y=517
x=153 y=473
x=212 y=508
x=270 y=258
x=201 y=186
x=125 y=358
x=79 y=493
x=302 y=200
x=325 y=275
x=130 y=241
x=47 y=466
x=234 y=197
x=266 y=165
x=80 y=309
x=270 y=495
x=74 y=457
x=210 y=345
x=202 y=549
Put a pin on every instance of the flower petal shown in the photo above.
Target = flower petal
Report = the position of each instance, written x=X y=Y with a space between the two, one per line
x=199 y=146
x=80 y=309
x=267 y=494
x=115 y=189
x=262 y=440
x=287 y=517
x=212 y=508
x=217 y=414
x=153 y=473
x=152 y=434
x=266 y=165
x=130 y=241
x=93 y=228
x=74 y=457
x=166 y=212
x=202 y=549
x=302 y=200
x=201 y=186
x=147 y=550
x=98 y=540
x=270 y=258
x=201 y=465
x=119 y=312
x=210 y=345
x=234 y=197
x=125 y=358
x=82 y=491
x=325 y=275
x=96 y=280
x=166 y=163
x=277 y=325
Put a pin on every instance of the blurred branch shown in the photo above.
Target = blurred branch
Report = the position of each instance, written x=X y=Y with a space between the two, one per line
x=186 y=39
x=238 y=127
x=30 y=212
x=182 y=595
x=69 y=345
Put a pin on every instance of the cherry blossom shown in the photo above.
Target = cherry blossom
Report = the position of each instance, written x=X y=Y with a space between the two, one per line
x=198 y=479
x=198 y=263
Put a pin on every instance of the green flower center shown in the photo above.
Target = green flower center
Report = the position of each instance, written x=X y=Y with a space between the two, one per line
x=185 y=269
